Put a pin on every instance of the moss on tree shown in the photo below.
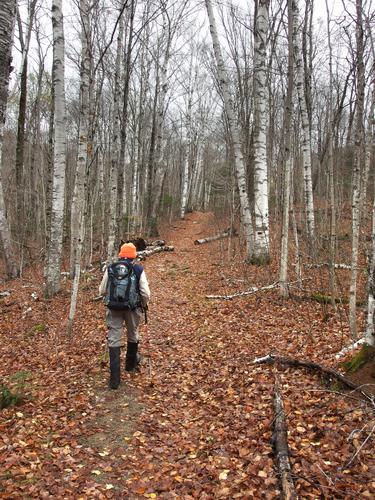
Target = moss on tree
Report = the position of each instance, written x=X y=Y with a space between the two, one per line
x=365 y=354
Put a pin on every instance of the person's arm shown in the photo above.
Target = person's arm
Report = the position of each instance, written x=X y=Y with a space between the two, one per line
x=103 y=283
x=144 y=289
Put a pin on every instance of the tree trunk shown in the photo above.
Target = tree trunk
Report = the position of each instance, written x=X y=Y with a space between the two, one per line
x=358 y=163
x=235 y=134
x=7 y=19
x=306 y=143
x=122 y=193
x=77 y=222
x=20 y=145
x=187 y=151
x=59 y=152
x=370 y=331
x=261 y=252
x=332 y=202
x=115 y=151
x=287 y=160
x=78 y=205
x=159 y=170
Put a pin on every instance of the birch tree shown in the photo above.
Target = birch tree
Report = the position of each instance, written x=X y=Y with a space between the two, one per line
x=370 y=330
x=7 y=19
x=239 y=162
x=25 y=39
x=128 y=69
x=59 y=152
x=161 y=90
x=78 y=204
x=113 y=177
x=359 y=144
x=78 y=201
x=185 y=174
x=287 y=159
x=261 y=236
x=306 y=133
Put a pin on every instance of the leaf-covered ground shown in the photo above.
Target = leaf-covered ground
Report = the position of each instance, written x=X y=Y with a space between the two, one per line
x=197 y=421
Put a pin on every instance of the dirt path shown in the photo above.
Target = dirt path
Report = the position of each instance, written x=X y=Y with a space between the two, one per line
x=199 y=425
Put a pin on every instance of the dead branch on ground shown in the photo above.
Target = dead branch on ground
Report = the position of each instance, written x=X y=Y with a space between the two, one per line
x=242 y=294
x=310 y=365
x=253 y=290
x=280 y=444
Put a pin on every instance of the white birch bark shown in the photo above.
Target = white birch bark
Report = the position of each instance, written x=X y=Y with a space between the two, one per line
x=359 y=146
x=78 y=205
x=7 y=19
x=370 y=331
x=332 y=202
x=306 y=133
x=135 y=181
x=113 y=179
x=287 y=161
x=261 y=252
x=185 y=175
x=59 y=161
x=197 y=182
x=138 y=133
x=294 y=225
x=77 y=222
x=160 y=167
x=235 y=134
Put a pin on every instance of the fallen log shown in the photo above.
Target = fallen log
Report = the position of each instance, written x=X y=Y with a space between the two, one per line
x=224 y=234
x=310 y=365
x=157 y=243
x=280 y=445
x=151 y=250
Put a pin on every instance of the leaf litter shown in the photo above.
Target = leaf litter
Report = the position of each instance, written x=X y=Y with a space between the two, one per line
x=199 y=423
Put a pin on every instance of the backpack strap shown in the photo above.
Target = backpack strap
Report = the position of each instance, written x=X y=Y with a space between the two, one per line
x=130 y=267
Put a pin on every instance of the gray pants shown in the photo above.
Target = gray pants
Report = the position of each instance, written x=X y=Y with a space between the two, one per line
x=115 y=322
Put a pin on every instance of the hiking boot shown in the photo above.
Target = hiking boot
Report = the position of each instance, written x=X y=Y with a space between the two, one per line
x=114 y=366
x=132 y=357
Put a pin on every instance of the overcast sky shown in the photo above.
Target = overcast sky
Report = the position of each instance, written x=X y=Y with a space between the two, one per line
x=336 y=9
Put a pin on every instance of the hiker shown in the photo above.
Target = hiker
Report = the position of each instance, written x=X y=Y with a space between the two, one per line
x=127 y=293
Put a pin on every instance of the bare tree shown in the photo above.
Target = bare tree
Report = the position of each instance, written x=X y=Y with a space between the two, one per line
x=287 y=158
x=59 y=162
x=261 y=236
x=113 y=177
x=25 y=39
x=78 y=205
x=235 y=135
x=306 y=143
x=7 y=19
x=358 y=164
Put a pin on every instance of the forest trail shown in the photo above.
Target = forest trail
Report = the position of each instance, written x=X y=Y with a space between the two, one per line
x=200 y=424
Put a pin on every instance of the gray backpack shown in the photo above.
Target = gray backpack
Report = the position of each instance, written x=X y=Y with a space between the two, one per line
x=122 y=287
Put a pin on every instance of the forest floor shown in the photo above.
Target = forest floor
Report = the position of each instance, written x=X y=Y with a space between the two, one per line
x=196 y=423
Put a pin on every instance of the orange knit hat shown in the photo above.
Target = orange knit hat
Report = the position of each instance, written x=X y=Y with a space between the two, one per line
x=128 y=251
